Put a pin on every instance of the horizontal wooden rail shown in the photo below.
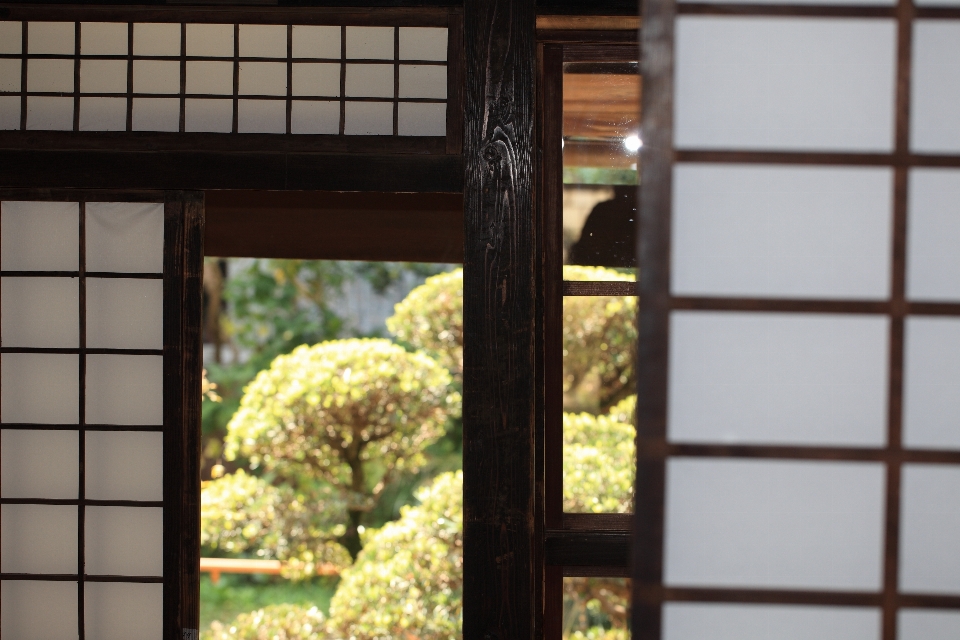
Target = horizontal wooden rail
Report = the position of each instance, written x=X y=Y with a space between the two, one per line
x=216 y=566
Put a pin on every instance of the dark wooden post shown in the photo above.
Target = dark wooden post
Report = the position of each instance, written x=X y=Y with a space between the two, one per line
x=502 y=574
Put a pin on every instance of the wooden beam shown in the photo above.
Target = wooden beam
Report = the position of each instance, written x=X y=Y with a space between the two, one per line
x=503 y=573
x=401 y=227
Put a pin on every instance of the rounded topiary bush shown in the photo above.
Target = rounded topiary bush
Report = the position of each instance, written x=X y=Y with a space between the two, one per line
x=275 y=622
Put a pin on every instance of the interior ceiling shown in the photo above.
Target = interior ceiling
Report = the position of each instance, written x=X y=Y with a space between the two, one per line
x=600 y=110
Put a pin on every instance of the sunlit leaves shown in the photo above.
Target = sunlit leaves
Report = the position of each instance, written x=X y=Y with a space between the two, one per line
x=274 y=622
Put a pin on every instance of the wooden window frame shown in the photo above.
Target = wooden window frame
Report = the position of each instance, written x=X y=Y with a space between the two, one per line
x=653 y=448
x=182 y=362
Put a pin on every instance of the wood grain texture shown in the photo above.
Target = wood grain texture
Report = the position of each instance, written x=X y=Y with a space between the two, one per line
x=501 y=582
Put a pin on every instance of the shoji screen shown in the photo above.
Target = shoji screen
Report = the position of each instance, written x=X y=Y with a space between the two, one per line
x=96 y=413
x=799 y=449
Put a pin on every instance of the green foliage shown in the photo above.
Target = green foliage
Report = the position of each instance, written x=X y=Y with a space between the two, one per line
x=598 y=460
x=349 y=412
x=595 y=608
x=274 y=622
x=599 y=341
x=236 y=593
x=243 y=514
x=408 y=580
x=431 y=318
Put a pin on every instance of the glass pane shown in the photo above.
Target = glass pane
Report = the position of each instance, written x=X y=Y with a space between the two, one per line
x=103 y=114
x=315 y=117
x=423 y=43
x=156 y=114
x=931 y=403
x=370 y=43
x=263 y=41
x=776 y=524
x=40 y=388
x=930 y=529
x=596 y=608
x=765 y=231
x=124 y=541
x=423 y=81
x=10 y=74
x=11 y=37
x=214 y=40
x=39 y=236
x=125 y=237
x=156 y=39
x=120 y=611
x=421 y=119
x=40 y=312
x=51 y=37
x=124 y=389
x=210 y=77
x=34 y=610
x=124 y=465
x=756 y=83
x=694 y=621
x=933 y=235
x=369 y=80
x=935 y=87
x=124 y=313
x=156 y=76
x=9 y=112
x=262 y=116
x=601 y=139
x=55 y=75
x=778 y=378
x=38 y=538
x=39 y=464
x=263 y=79
x=316 y=79
x=311 y=41
x=368 y=119
x=919 y=624
x=45 y=112
x=103 y=76
x=211 y=115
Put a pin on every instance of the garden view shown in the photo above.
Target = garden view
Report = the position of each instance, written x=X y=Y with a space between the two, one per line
x=333 y=439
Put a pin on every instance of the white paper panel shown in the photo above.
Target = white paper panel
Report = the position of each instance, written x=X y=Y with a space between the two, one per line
x=778 y=378
x=40 y=312
x=933 y=234
x=38 y=538
x=315 y=117
x=103 y=114
x=47 y=113
x=214 y=40
x=421 y=119
x=370 y=42
x=9 y=112
x=369 y=81
x=930 y=529
x=208 y=115
x=263 y=40
x=124 y=389
x=35 y=610
x=927 y=624
x=931 y=403
x=316 y=79
x=368 y=118
x=262 y=116
x=39 y=236
x=757 y=83
x=40 y=387
x=103 y=38
x=156 y=76
x=124 y=541
x=11 y=37
x=312 y=41
x=156 y=114
x=11 y=72
x=777 y=524
x=124 y=465
x=210 y=77
x=423 y=81
x=263 y=78
x=124 y=313
x=120 y=611
x=935 y=87
x=937 y=3
x=51 y=37
x=125 y=237
x=423 y=43
x=779 y=231
x=693 y=621
x=50 y=75
x=156 y=39
x=39 y=464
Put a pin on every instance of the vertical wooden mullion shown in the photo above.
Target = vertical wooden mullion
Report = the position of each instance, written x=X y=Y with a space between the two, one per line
x=76 y=77
x=653 y=259
x=236 y=76
x=289 y=76
x=23 y=74
x=454 y=83
x=81 y=412
x=343 y=77
x=183 y=76
x=502 y=582
x=396 y=78
x=129 y=125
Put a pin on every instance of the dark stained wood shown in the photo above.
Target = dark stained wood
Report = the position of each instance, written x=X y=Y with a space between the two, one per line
x=227 y=170
x=653 y=260
x=587 y=548
x=598 y=521
x=81 y=413
x=599 y=288
x=502 y=584
x=589 y=7
x=455 y=71
x=408 y=227
x=794 y=452
x=817 y=158
x=826 y=11
x=580 y=37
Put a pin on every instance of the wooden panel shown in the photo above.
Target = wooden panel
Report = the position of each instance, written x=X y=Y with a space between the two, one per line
x=402 y=227
x=502 y=579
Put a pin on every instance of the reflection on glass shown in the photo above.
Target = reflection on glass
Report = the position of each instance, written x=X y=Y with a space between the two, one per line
x=601 y=143
x=595 y=608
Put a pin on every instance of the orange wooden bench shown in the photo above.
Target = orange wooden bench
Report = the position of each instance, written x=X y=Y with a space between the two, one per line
x=216 y=566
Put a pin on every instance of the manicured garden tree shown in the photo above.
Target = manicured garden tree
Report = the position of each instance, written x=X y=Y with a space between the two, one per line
x=408 y=580
x=347 y=414
x=274 y=622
